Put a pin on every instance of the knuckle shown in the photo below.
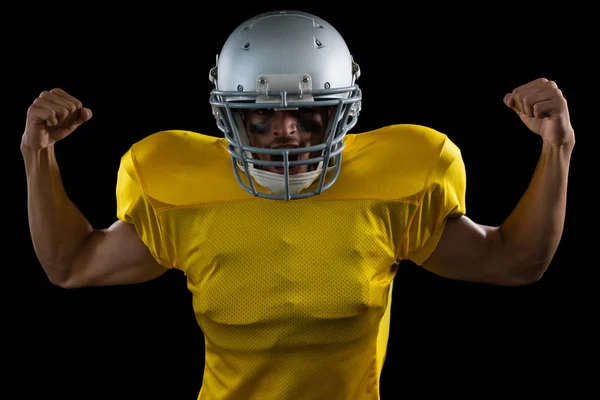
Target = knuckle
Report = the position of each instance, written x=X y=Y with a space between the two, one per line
x=44 y=94
x=62 y=113
x=72 y=108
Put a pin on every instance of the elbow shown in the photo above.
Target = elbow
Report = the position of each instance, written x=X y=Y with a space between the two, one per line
x=525 y=278
x=61 y=277
x=524 y=275
x=70 y=281
x=523 y=265
x=531 y=267
x=66 y=283
x=59 y=282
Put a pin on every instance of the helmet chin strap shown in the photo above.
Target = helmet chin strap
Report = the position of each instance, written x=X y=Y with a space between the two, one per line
x=276 y=183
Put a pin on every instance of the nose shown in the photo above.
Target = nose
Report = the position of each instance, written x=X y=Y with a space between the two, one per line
x=284 y=124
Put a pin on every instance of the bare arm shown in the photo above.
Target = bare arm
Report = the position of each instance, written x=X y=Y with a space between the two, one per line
x=520 y=250
x=71 y=251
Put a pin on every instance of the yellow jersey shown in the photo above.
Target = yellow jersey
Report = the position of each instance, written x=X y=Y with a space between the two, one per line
x=293 y=297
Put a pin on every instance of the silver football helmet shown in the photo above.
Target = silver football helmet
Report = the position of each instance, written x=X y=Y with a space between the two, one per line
x=285 y=60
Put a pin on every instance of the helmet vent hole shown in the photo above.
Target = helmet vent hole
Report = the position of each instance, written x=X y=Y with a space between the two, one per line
x=246 y=45
x=318 y=43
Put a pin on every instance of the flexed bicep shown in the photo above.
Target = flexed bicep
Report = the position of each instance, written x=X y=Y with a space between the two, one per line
x=473 y=252
x=113 y=256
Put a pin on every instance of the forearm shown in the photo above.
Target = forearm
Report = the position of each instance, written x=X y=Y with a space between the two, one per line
x=532 y=232
x=58 y=229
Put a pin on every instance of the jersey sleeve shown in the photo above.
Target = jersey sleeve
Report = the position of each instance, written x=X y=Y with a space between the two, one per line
x=443 y=198
x=134 y=207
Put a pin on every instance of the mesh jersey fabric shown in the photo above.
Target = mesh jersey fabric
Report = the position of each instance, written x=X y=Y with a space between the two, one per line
x=293 y=297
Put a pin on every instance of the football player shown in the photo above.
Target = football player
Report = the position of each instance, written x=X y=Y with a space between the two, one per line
x=287 y=227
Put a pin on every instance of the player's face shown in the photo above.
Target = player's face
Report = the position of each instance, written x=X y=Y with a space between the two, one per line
x=272 y=129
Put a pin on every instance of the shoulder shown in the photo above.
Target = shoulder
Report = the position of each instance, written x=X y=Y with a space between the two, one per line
x=400 y=145
x=405 y=134
x=172 y=145
x=167 y=163
x=395 y=161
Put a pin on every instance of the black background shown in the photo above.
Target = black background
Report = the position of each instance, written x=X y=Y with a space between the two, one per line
x=145 y=68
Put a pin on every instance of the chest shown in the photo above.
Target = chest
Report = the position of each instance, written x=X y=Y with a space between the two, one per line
x=264 y=260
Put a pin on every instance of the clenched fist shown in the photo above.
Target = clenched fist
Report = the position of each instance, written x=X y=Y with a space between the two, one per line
x=543 y=109
x=54 y=115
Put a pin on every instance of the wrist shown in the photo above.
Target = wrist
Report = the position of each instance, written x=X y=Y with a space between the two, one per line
x=559 y=151
x=27 y=148
x=565 y=146
x=34 y=157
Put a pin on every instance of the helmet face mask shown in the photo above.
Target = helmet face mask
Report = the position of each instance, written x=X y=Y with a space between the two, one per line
x=292 y=62
x=290 y=128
